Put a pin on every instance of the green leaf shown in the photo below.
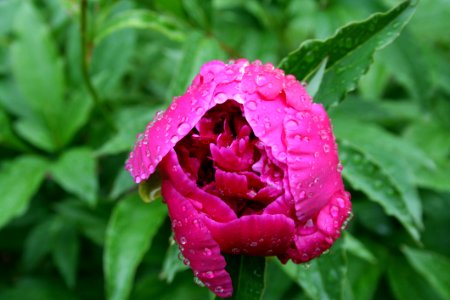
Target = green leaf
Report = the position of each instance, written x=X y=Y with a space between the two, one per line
x=350 y=52
x=396 y=158
x=75 y=171
x=19 y=181
x=38 y=69
x=197 y=51
x=122 y=183
x=65 y=252
x=433 y=267
x=316 y=80
x=131 y=229
x=406 y=283
x=172 y=263
x=354 y=246
x=142 y=19
x=367 y=176
x=39 y=242
x=251 y=278
x=7 y=136
x=324 y=278
x=129 y=122
x=111 y=60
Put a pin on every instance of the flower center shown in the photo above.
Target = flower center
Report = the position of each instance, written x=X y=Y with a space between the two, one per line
x=225 y=158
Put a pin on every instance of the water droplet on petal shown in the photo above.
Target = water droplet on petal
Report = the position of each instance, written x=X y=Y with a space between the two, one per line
x=251 y=105
x=187 y=262
x=199 y=110
x=261 y=80
x=207 y=252
x=209 y=275
x=334 y=211
x=183 y=128
x=183 y=240
x=218 y=289
x=253 y=244
x=174 y=139
x=326 y=148
x=292 y=124
x=198 y=282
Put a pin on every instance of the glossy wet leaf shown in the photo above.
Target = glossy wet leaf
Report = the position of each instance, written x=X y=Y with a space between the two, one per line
x=350 y=52
x=316 y=80
x=367 y=176
x=129 y=235
x=354 y=246
x=19 y=181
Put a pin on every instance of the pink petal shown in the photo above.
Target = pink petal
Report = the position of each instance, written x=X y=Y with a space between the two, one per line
x=312 y=160
x=254 y=234
x=231 y=184
x=198 y=247
x=213 y=206
x=315 y=236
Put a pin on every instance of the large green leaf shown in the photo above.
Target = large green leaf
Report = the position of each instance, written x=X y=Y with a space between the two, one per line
x=131 y=229
x=142 y=19
x=350 y=52
x=433 y=267
x=324 y=278
x=38 y=69
x=19 y=181
x=76 y=172
x=406 y=283
x=366 y=175
x=397 y=158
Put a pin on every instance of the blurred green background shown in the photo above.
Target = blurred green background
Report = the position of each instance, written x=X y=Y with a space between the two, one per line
x=79 y=80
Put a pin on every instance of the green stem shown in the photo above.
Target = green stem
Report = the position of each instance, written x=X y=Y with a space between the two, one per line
x=85 y=63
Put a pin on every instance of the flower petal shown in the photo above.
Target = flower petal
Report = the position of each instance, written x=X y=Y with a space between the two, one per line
x=198 y=247
x=254 y=234
x=312 y=160
x=213 y=206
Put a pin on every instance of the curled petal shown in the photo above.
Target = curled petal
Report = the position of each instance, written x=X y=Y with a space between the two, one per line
x=312 y=160
x=198 y=247
x=254 y=234
x=213 y=206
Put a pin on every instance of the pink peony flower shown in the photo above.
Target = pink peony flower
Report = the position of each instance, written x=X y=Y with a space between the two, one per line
x=249 y=166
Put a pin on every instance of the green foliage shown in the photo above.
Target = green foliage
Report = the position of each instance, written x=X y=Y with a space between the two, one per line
x=72 y=225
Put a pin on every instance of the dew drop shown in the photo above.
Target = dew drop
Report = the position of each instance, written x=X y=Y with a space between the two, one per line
x=198 y=282
x=235 y=251
x=207 y=252
x=253 y=244
x=183 y=128
x=261 y=80
x=209 y=274
x=339 y=167
x=174 y=139
x=292 y=124
x=326 y=148
x=199 y=110
x=334 y=211
x=316 y=154
x=251 y=105
x=183 y=240
x=218 y=289
x=187 y=262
